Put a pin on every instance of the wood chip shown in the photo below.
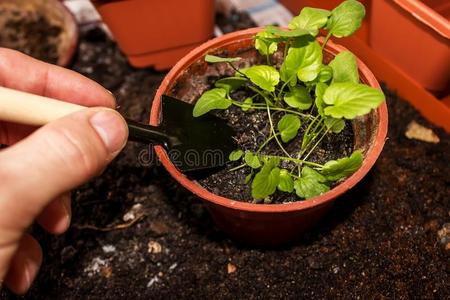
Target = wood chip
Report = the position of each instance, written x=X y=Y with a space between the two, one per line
x=416 y=131
x=231 y=268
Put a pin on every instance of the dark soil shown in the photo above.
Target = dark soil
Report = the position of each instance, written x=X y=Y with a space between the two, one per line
x=384 y=239
x=252 y=128
x=30 y=33
x=235 y=20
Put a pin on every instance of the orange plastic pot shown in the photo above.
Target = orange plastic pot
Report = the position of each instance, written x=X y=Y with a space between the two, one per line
x=260 y=224
x=415 y=36
x=157 y=33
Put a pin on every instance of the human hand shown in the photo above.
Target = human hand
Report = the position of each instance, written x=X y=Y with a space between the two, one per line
x=40 y=167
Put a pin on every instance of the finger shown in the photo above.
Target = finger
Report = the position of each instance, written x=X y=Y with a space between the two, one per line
x=57 y=215
x=24 y=265
x=56 y=158
x=21 y=72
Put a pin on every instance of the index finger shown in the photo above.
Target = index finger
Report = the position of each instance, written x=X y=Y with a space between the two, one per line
x=21 y=72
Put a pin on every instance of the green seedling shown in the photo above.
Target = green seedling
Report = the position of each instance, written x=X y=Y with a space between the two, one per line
x=305 y=91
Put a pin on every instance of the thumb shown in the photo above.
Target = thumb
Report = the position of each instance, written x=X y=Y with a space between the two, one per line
x=53 y=160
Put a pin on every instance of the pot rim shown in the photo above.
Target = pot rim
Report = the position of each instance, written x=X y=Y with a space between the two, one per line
x=197 y=189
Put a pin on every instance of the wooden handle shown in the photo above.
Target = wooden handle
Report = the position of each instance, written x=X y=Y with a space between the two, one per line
x=24 y=108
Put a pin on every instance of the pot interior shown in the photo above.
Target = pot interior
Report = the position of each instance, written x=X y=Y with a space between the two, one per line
x=190 y=84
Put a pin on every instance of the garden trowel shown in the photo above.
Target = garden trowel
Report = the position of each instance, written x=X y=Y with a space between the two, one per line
x=192 y=144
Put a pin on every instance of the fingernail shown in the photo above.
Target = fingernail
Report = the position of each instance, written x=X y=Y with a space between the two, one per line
x=31 y=270
x=66 y=203
x=111 y=128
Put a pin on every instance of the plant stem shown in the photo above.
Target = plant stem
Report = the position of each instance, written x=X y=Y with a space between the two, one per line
x=318 y=142
x=265 y=143
x=286 y=48
x=237 y=168
x=236 y=69
x=298 y=161
x=326 y=40
x=284 y=85
x=239 y=104
x=311 y=141
x=305 y=135
x=273 y=131
x=261 y=94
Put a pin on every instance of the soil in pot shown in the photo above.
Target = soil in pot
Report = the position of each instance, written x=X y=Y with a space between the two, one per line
x=252 y=128
x=31 y=33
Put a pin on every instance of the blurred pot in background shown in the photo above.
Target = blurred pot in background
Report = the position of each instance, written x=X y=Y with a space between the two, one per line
x=415 y=37
x=157 y=33
x=44 y=29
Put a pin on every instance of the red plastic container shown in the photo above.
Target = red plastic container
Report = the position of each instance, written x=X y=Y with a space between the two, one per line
x=415 y=36
x=157 y=33
x=259 y=224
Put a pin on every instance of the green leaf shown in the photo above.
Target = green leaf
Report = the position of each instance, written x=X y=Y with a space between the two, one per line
x=350 y=100
x=309 y=188
x=230 y=83
x=286 y=183
x=320 y=91
x=304 y=61
x=298 y=97
x=247 y=104
x=252 y=160
x=335 y=125
x=266 y=77
x=264 y=45
x=265 y=182
x=345 y=68
x=308 y=172
x=310 y=184
x=236 y=155
x=218 y=59
x=248 y=178
x=346 y=18
x=288 y=127
x=325 y=74
x=212 y=99
x=337 y=169
x=298 y=32
x=310 y=19
x=271 y=161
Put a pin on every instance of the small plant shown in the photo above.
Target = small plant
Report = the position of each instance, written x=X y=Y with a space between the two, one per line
x=304 y=90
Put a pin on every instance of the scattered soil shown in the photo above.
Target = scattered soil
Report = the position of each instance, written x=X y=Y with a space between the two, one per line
x=386 y=238
x=31 y=33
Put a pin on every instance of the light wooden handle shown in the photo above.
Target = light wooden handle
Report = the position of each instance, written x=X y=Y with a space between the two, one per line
x=24 y=108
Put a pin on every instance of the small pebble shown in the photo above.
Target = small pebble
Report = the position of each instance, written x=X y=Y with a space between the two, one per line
x=152 y=281
x=154 y=247
x=416 y=131
x=109 y=249
x=231 y=268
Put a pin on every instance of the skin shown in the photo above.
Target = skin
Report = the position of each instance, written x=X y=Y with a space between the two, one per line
x=41 y=166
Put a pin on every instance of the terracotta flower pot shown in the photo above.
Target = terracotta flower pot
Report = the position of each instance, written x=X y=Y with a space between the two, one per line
x=415 y=36
x=157 y=33
x=265 y=224
x=57 y=14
